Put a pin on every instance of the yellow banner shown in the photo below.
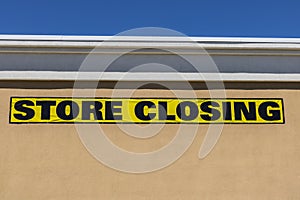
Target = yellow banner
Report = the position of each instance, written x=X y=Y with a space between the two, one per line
x=145 y=110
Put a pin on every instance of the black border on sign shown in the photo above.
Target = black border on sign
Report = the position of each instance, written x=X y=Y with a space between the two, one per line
x=281 y=99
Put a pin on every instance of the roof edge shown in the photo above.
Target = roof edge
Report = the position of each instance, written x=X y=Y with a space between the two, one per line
x=85 y=38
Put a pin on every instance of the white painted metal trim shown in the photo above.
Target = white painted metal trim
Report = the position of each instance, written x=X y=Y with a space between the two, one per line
x=146 y=38
x=119 y=76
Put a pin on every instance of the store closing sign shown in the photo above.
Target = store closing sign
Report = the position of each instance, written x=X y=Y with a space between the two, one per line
x=146 y=110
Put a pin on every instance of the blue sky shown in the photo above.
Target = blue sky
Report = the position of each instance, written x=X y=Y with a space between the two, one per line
x=252 y=18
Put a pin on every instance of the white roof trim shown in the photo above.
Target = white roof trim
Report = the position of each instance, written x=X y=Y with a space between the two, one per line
x=146 y=38
x=149 y=76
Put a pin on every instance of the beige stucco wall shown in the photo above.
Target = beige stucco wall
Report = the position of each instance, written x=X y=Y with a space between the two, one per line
x=48 y=161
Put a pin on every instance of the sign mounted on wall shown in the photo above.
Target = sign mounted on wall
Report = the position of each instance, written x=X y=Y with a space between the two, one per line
x=146 y=110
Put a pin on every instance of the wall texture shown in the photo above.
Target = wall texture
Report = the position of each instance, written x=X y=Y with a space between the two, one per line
x=48 y=161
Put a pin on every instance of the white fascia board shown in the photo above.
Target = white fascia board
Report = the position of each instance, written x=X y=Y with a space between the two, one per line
x=147 y=38
x=180 y=43
x=118 y=76
x=23 y=45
